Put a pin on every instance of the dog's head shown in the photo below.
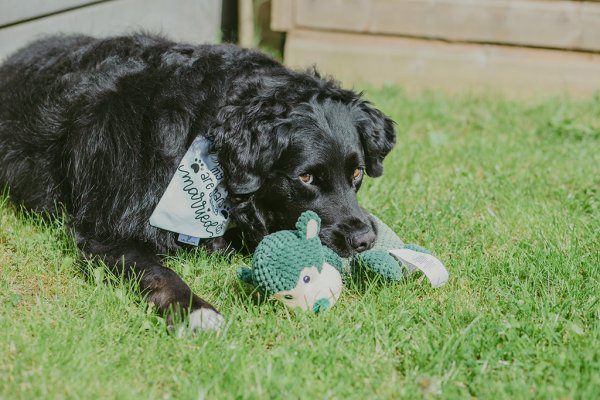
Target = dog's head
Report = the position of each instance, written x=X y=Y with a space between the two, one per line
x=288 y=149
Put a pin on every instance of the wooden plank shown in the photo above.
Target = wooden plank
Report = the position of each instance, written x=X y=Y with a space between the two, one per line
x=184 y=20
x=12 y=11
x=246 y=23
x=426 y=64
x=540 y=23
x=282 y=17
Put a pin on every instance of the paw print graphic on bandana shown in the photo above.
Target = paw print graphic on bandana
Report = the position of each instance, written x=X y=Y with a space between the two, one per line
x=196 y=165
x=225 y=212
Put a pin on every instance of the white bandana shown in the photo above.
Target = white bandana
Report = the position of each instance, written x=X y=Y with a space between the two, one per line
x=195 y=202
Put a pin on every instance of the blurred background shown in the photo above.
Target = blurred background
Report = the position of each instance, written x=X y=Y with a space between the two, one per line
x=522 y=48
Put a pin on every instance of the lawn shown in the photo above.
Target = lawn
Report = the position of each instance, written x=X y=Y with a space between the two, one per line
x=506 y=193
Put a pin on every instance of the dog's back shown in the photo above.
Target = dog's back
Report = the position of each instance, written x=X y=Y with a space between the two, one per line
x=83 y=121
x=29 y=118
x=40 y=87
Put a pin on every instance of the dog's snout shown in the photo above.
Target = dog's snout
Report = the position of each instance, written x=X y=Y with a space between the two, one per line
x=363 y=240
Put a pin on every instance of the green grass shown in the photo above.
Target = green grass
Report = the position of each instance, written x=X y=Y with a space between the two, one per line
x=505 y=193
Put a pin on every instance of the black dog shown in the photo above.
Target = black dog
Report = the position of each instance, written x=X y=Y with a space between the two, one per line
x=99 y=127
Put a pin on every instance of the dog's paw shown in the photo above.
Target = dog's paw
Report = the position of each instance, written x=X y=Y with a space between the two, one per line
x=205 y=319
x=202 y=319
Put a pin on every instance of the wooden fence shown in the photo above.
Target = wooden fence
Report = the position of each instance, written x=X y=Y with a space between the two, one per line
x=520 y=47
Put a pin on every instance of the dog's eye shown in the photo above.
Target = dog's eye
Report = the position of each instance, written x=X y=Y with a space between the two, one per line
x=358 y=172
x=288 y=297
x=306 y=178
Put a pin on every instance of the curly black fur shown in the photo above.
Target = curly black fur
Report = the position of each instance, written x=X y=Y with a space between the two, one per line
x=100 y=125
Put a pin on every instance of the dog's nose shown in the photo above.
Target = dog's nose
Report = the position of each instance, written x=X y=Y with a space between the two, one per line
x=362 y=241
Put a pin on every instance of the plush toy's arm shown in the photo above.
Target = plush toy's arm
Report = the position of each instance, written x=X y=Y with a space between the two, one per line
x=379 y=262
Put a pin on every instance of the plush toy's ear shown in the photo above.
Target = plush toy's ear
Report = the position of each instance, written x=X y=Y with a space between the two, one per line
x=309 y=225
x=312 y=229
x=377 y=135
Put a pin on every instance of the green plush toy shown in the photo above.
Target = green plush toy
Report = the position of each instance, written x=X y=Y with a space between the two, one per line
x=294 y=267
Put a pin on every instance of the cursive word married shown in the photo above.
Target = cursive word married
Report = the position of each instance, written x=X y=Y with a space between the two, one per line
x=199 y=203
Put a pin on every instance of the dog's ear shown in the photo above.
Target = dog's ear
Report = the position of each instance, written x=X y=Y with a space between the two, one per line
x=377 y=135
x=249 y=141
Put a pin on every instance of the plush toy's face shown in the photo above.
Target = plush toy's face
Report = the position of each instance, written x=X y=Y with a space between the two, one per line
x=314 y=290
x=292 y=266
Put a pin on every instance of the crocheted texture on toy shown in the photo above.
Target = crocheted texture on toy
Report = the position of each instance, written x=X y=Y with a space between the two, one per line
x=379 y=262
x=294 y=267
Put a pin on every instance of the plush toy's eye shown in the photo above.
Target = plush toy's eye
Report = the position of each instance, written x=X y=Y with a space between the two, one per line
x=306 y=178
x=288 y=297
x=358 y=173
x=306 y=279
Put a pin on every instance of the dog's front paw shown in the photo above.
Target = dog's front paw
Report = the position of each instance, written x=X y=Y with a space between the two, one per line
x=202 y=319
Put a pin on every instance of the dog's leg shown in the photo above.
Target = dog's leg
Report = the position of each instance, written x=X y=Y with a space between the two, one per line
x=164 y=288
